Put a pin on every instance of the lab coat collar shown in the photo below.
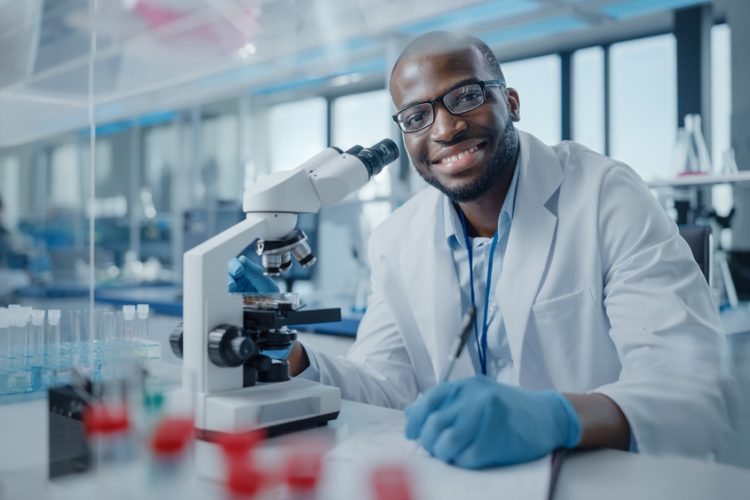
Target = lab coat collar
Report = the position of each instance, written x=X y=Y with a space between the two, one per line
x=429 y=276
x=530 y=240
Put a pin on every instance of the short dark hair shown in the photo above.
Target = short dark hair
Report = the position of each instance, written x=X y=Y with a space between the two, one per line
x=446 y=42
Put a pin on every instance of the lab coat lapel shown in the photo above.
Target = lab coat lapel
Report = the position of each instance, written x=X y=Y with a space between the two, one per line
x=531 y=236
x=432 y=288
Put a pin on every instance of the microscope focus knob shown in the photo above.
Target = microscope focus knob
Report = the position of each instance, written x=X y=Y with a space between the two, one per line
x=175 y=340
x=229 y=347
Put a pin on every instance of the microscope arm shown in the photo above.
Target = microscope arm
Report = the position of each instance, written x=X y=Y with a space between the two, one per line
x=206 y=302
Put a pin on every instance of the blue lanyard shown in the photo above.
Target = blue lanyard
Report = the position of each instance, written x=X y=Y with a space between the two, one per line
x=481 y=344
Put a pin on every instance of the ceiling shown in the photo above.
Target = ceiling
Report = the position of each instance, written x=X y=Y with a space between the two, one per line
x=154 y=55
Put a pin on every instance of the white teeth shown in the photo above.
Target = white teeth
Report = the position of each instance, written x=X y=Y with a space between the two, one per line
x=460 y=155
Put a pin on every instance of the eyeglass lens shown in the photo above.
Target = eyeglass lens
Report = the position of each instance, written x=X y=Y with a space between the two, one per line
x=457 y=101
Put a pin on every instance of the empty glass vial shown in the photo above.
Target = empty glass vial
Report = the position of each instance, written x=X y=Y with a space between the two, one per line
x=4 y=350
x=35 y=351
x=19 y=338
x=142 y=310
x=54 y=347
x=128 y=325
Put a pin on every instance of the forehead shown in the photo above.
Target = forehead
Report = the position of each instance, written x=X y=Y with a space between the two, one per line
x=427 y=75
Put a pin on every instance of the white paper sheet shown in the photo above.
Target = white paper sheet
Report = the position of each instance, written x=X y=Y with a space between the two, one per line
x=349 y=466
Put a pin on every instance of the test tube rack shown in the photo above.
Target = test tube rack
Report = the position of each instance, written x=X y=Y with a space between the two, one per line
x=43 y=349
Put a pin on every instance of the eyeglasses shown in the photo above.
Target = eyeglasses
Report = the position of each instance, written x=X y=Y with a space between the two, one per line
x=457 y=101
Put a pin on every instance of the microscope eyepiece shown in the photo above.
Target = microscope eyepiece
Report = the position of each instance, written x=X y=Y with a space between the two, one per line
x=379 y=155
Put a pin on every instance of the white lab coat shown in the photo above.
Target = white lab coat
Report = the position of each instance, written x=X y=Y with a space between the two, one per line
x=599 y=293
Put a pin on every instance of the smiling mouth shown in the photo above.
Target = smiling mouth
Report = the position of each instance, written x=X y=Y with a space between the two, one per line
x=457 y=157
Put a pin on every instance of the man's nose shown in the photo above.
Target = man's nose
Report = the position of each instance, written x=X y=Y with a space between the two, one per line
x=446 y=126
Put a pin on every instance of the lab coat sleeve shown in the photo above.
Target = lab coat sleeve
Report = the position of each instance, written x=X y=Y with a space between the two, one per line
x=312 y=372
x=377 y=369
x=675 y=387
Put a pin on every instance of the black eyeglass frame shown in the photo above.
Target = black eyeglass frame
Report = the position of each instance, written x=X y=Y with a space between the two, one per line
x=482 y=85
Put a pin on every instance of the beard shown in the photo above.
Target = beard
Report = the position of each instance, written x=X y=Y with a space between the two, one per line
x=500 y=163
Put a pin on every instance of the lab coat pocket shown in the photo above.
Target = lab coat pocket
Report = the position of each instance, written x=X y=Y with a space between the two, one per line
x=564 y=326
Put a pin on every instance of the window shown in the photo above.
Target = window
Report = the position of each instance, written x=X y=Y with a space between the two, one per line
x=721 y=110
x=297 y=132
x=10 y=187
x=161 y=156
x=220 y=159
x=364 y=119
x=67 y=182
x=588 y=98
x=538 y=84
x=643 y=103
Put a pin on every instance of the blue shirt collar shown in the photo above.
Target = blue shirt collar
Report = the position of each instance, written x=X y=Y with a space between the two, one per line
x=454 y=232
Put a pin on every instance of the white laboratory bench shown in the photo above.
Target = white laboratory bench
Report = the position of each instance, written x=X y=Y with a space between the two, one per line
x=584 y=475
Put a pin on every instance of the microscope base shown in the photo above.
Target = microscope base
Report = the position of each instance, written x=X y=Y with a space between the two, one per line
x=277 y=407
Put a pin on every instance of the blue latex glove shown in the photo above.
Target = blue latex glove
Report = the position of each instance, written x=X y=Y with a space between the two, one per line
x=247 y=277
x=280 y=354
x=478 y=422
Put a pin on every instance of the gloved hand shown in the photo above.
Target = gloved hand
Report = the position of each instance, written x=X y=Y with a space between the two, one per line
x=478 y=422
x=247 y=277
x=280 y=354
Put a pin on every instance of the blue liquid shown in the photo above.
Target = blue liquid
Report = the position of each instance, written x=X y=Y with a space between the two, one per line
x=36 y=379
x=24 y=374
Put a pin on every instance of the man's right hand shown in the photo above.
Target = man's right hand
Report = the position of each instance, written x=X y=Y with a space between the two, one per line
x=247 y=277
x=298 y=360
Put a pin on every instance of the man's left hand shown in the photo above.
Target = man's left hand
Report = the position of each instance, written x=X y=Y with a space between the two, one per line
x=478 y=422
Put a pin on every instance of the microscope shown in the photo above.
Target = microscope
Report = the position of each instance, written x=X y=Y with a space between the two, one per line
x=226 y=379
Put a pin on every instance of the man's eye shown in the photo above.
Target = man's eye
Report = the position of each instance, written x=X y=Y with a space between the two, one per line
x=414 y=118
x=472 y=96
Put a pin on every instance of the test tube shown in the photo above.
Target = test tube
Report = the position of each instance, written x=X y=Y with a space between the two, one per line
x=80 y=336
x=171 y=452
x=128 y=324
x=11 y=312
x=54 y=347
x=26 y=311
x=96 y=343
x=143 y=311
x=4 y=351
x=142 y=330
x=19 y=335
x=36 y=350
x=107 y=339
x=67 y=339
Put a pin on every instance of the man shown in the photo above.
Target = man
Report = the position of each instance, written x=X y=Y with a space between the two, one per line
x=594 y=326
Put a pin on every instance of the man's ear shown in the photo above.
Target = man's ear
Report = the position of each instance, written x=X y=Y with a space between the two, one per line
x=514 y=103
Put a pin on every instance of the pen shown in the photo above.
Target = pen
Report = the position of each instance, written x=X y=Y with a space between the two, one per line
x=458 y=346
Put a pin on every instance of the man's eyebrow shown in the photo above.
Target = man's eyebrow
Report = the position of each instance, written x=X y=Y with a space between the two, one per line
x=453 y=86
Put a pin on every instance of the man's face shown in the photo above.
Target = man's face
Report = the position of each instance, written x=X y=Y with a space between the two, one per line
x=464 y=155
